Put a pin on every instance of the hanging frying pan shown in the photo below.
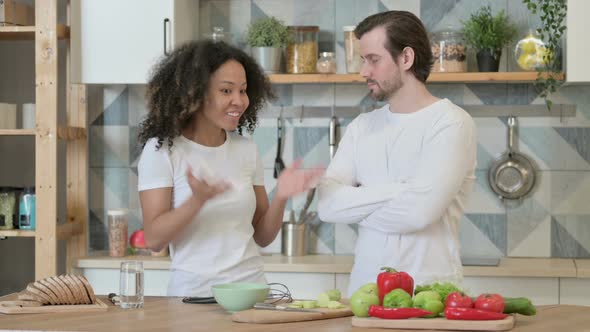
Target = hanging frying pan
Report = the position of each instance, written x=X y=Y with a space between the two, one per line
x=512 y=175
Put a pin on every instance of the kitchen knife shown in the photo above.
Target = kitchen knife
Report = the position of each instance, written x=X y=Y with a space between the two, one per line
x=268 y=306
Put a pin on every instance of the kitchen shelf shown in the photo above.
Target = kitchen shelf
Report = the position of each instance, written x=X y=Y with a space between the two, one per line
x=64 y=133
x=17 y=233
x=469 y=77
x=17 y=132
x=48 y=137
x=28 y=32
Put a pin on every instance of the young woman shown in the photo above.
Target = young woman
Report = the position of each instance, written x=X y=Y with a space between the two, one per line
x=201 y=183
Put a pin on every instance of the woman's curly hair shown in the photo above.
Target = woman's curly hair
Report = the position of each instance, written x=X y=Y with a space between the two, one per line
x=179 y=84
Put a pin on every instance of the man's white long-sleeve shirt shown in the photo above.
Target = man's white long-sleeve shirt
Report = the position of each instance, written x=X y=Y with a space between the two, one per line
x=404 y=177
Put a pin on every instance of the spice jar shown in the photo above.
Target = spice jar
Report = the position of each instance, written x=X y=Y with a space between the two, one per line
x=449 y=51
x=8 y=204
x=326 y=63
x=302 y=52
x=352 y=50
x=118 y=224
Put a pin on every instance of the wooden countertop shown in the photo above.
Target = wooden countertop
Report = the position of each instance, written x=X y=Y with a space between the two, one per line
x=170 y=314
x=582 y=268
x=508 y=267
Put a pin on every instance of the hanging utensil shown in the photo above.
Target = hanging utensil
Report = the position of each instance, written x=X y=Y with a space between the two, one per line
x=279 y=164
x=512 y=176
x=332 y=135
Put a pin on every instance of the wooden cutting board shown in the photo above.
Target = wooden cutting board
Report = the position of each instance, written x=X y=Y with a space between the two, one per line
x=10 y=305
x=436 y=324
x=259 y=316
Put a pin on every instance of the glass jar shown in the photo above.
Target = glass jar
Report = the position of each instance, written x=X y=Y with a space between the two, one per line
x=219 y=34
x=352 y=50
x=302 y=52
x=530 y=52
x=449 y=51
x=326 y=63
x=27 y=213
x=8 y=208
x=118 y=225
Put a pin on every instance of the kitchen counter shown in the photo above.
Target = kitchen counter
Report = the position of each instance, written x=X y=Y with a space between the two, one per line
x=582 y=268
x=170 y=314
x=508 y=267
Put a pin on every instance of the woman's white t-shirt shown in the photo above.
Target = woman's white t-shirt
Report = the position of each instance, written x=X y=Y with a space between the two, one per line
x=218 y=245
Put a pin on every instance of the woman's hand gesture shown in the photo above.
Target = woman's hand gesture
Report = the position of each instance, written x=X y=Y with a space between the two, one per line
x=204 y=191
x=294 y=180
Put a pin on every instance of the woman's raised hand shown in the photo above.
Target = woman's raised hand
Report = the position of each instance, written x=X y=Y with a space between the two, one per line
x=294 y=180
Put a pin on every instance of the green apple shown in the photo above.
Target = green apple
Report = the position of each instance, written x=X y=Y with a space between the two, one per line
x=429 y=301
x=434 y=306
x=369 y=288
x=363 y=298
x=424 y=296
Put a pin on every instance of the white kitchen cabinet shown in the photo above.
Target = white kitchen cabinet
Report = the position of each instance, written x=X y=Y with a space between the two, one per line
x=574 y=291
x=105 y=281
x=577 y=43
x=541 y=291
x=118 y=42
x=342 y=281
x=303 y=285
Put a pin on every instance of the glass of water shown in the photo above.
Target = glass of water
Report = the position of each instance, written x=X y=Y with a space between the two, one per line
x=131 y=285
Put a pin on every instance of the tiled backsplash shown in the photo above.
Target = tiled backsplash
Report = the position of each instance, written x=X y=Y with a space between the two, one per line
x=553 y=222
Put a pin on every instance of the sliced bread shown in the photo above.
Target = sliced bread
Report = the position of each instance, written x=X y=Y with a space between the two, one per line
x=88 y=287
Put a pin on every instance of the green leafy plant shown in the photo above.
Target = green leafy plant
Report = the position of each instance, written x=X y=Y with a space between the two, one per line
x=552 y=14
x=268 y=32
x=485 y=31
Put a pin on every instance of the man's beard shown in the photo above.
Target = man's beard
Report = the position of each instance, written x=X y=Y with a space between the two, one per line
x=386 y=89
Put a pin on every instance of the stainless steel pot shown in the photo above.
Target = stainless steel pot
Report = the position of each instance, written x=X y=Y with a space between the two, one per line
x=512 y=175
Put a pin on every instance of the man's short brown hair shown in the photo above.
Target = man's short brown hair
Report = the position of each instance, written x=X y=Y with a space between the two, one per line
x=403 y=29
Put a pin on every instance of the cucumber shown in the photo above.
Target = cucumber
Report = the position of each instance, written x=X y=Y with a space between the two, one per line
x=519 y=305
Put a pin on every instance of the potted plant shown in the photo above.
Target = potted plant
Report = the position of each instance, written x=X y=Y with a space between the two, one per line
x=553 y=25
x=267 y=37
x=488 y=34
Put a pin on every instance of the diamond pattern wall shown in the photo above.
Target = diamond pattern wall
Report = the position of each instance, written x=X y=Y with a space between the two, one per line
x=553 y=222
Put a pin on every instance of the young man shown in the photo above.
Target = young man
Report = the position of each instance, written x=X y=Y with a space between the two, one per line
x=401 y=172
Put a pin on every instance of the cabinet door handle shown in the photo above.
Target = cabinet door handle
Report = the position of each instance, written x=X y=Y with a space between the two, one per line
x=166 y=39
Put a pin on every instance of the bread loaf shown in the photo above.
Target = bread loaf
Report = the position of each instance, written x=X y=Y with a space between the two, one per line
x=64 y=289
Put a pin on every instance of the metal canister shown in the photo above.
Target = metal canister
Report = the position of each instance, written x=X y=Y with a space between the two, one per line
x=294 y=239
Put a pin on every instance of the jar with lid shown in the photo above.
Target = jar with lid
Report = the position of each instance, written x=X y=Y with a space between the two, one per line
x=449 y=51
x=118 y=225
x=219 y=34
x=8 y=208
x=352 y=50
x=326 y=63
x=530 y=52
x=27 y=209
x=302 y=52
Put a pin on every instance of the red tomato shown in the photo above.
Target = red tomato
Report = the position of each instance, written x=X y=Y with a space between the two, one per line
x=490 y=302
x=458 y=300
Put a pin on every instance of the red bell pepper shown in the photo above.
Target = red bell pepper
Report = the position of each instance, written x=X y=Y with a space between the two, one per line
x=396 y=313
x=472 y=314
x=390 y=279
